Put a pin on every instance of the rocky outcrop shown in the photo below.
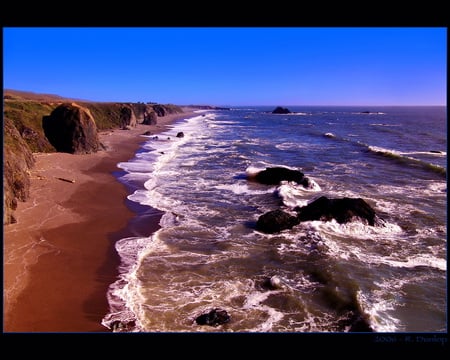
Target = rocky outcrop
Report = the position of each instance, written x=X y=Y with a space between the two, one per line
x=17 y=161
x=148 y=114
x=71 y=128
x=342 y=210
x=127 y=118
x=281 y=110
x=150 y=117
x=160 y=110
x=275 y=175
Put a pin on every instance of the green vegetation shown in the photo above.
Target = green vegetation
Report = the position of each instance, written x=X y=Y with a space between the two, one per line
x=106 y=115
x=27 y=118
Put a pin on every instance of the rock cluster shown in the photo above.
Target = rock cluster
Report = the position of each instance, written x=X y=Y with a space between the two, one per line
x=342 y=210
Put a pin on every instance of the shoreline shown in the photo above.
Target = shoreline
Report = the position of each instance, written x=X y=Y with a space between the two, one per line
x=59 y=258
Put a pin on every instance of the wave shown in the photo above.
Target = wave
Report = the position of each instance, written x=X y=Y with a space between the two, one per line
x=404 y=159
x=369 y=113
x=123 y=294
x=365 y=246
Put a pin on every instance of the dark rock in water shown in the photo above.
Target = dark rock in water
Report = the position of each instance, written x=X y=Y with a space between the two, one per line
x=342 y=210
x=213 y=318
x=276 y=221
x=435 y=151
x=71 y=128
x=180 y=134
x=281 y=110
x=274 y=176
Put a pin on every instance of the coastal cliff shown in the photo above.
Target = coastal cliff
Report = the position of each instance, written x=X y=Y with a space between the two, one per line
x=26 y=114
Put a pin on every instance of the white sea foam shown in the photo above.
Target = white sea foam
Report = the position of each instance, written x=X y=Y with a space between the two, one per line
x=290 y=146
x=207 y=241
x=358 y=229
x=437 y=187
x=254 y=300
x=294 y=195
x=137 y=166
x=431 y=153
x=262 y=165
x=378 y=149
x=124 y=296
x=240 y=189
x=388 y=235
x=382 y=124
x=379 y=306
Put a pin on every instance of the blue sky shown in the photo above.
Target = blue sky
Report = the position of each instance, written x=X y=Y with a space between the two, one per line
x=231 y=65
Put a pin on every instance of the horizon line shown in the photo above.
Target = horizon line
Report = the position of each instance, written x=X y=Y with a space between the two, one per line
x=205 y=104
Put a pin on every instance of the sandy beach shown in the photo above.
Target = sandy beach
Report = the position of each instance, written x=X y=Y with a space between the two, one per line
x=59 y=258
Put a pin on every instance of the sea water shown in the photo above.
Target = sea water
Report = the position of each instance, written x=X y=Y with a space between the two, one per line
x=208 y=253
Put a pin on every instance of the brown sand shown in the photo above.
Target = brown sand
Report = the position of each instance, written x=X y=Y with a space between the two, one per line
x=59 y=258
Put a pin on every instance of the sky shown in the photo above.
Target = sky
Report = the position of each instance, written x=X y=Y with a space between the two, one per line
x=231 y=66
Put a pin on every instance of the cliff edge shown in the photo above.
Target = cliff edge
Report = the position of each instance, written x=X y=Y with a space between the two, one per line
x=36 y=123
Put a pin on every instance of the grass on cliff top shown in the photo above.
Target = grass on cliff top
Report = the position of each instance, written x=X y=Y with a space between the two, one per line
x=28 y=115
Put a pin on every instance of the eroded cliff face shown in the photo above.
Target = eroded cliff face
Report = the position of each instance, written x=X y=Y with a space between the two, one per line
x=127 y=118
x=17 y=162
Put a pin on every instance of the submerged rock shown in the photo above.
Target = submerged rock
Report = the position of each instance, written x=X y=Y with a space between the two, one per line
x=213 y=318
x=276 y=221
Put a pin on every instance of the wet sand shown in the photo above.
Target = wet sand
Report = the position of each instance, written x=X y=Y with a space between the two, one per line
x=59 y=258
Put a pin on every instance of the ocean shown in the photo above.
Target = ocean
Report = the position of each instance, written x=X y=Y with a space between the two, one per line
x=326 y=276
